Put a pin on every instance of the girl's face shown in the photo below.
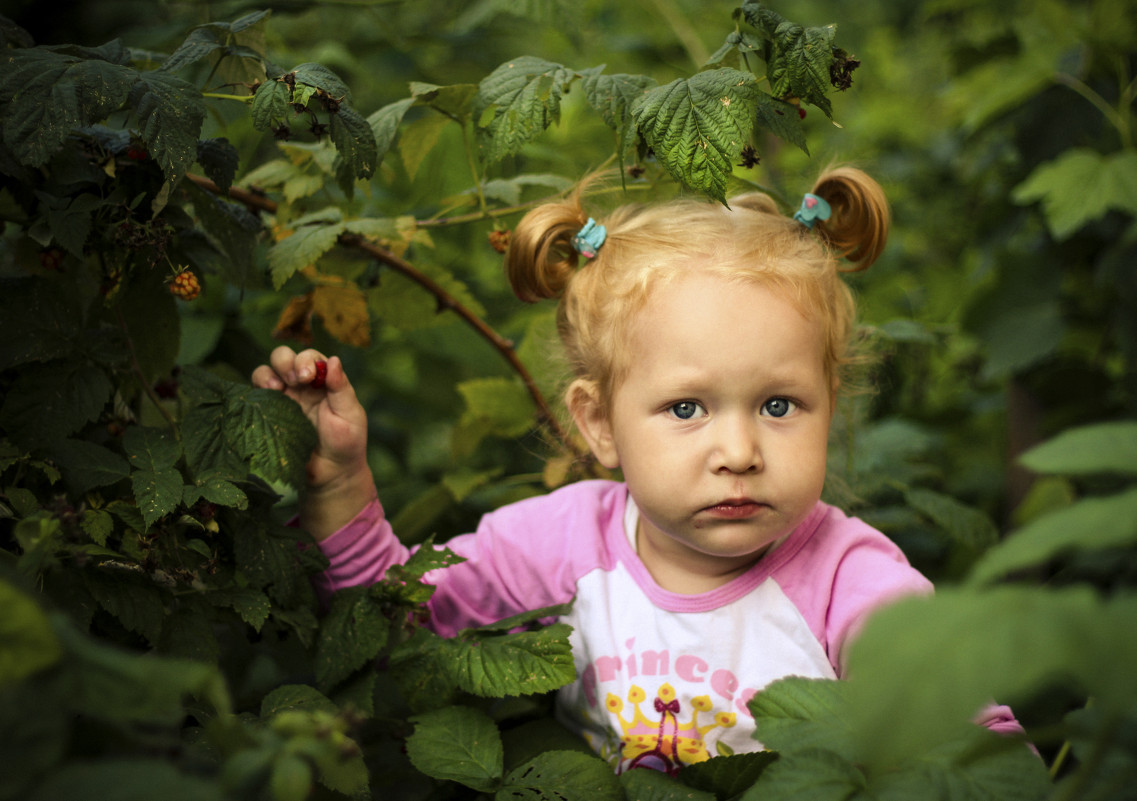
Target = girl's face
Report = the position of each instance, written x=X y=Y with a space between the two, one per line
x=720 y=426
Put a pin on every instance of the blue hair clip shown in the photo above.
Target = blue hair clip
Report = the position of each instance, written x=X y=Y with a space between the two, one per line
x=812 y=209
x=587 y=243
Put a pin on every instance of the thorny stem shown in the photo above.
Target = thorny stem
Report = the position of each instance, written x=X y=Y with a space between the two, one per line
x=445 y=300
x=136 y=368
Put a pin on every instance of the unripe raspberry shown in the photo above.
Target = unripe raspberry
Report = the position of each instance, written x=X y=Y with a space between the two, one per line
x=185 y=285
x=499 y=240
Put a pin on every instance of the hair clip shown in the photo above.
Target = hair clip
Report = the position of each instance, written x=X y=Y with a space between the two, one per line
x=812 y=209
x=588 y=241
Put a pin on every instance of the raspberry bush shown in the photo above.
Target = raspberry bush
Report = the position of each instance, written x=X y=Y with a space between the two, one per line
x=161 y=636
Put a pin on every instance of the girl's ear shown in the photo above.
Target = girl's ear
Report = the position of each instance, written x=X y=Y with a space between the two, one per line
x=591 y=418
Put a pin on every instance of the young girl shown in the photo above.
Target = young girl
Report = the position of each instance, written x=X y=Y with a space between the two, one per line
x=708 y=346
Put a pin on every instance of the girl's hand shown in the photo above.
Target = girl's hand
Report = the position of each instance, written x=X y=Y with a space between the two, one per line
x=339 y=481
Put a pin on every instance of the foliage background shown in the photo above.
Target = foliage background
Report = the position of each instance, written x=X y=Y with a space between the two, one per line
x=1004 y=311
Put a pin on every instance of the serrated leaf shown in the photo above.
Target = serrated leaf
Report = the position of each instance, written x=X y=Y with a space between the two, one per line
x=811 y=775
x=215 y=487
x=52 y=400
x=653 y=785
x=201 y=42
x=513 y=664
x=1099 y=449
x=253 y=606
x=612 y=96
x=86 y=465
x=355 y=141
x=270 y=560
x=965 y=524
x=455 y=101
x=781 y=119
x=698 y=126
x=727 y=777
x=270 y=431
x=30 y=644
x=170 y=114
x=353 y=632
x=795 y=713
x=516 y=103
x=130 y=596
x=39 y=321
x=98 y=525
x=293 y=697
x=1090 y=524
x=53 y=93
x=798 y=58
x=458 y=744
x=304 y=247
x=219 y=159
x=385 y=124
x=564 y=776
x=320 y=77
x=150 y=448
x=1080 y=186
x=270 y=105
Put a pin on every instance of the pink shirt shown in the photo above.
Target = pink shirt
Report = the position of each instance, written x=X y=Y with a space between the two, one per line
x=662 y=678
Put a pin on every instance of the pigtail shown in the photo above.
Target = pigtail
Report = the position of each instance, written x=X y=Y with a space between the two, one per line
x=858 y=226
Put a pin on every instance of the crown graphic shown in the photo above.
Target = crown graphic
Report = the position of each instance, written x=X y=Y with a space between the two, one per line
x=661 y=741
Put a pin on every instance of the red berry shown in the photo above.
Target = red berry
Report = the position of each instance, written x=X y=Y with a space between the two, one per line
x=135 y=153
x=321 y=374
x=499 y=240
x=801 y=112
x=51 y=258
x=185 y=285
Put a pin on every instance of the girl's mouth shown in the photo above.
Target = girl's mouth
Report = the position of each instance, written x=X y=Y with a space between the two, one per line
x=735 y=508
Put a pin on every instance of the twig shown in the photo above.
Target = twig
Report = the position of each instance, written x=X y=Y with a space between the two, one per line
x=445 y=300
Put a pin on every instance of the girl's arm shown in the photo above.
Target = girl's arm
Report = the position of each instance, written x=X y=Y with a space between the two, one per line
x=339 y=482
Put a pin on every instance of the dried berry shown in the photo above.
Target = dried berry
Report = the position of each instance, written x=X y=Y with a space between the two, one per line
x=321 y=374
x=750 y=157
x=499 y=240
x=185 y=285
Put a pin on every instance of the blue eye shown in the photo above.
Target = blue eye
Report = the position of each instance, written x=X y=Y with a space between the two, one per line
x=688 y=410
x=778 y=407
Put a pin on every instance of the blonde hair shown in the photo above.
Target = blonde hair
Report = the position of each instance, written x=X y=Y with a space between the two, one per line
x=748 y=240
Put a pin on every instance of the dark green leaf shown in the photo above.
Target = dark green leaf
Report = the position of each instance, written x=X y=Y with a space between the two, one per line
x=1080 y=186
x=170 y=113
x=811 y=774
x=353 y=633
x=728 y=776
x=214 y=487
x=38 y=321
x=201 y=42
x=966 y=525
x=86 y=465
x=296 y=697
x=125 y=780
x=1099 y=449
x=793 y=714
x=271 y=561
x=270 y=431
x=270 y=105
x=562 y=776
x=321 y=77
x=307 y=244
x=698 y=126
x=517 y=102
x=612 y=96
x=253 y=606
x=651 y=785
x=385 y=124
x=219 y=159
x=128 y=594
x=355 y=142
x=781 y=119
x=460 y=744
x=512 y=664
x=150 y=448
x=52 y=94
x=52 y=400
x=798 y=59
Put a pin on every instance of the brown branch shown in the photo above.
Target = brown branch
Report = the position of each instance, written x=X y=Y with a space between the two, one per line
x=446 y=301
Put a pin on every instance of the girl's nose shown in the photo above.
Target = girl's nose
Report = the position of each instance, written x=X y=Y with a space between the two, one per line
x=738 y=449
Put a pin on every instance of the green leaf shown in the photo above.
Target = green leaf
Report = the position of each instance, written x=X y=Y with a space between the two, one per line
x=304 y=247
x=86 y=465
x=781 y=119
x=150 y=448
x=214 y=487
x=30 y=644
x=513 y=664
x=292 y=697
x=966 y=524
x=39 y=321
x=459 y=744
x=353 y=633
x=652 y=785
x=253 y=606
x=170 y=114
x=1080 y=186
x=291 y=778
x=157 y=484
x=219 y=159
x=698 y=126
x=269 y=556
x=1099 y=449
x=1007 y=643
x=201 y=42
x=455 y=101
x=51 y=400
x=798 y=59
x=355 y=142
x=52 y=93
x=385 y=124
x=128 y=594
x=562 y=776
x=517 y=102
x=613 y=96
x=503 y=404
x=271 y=105
x=270 y=431
x=728 y=776
x=1091 y=524
x=795 y=714
x=320 y=77
x=810 y=775
x=118 y=779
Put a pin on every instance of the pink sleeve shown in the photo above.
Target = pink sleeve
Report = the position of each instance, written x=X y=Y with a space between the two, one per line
x=525 y=556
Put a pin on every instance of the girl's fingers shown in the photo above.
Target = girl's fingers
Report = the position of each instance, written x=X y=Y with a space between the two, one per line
x=264 y=377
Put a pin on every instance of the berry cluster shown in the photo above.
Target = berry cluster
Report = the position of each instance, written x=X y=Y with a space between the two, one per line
x=499 y=240
x=185 y=285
